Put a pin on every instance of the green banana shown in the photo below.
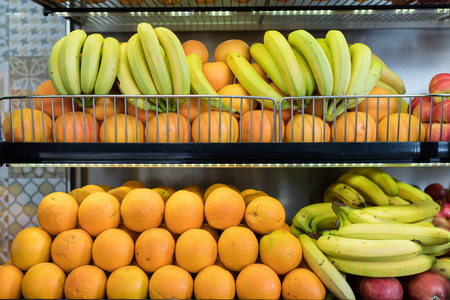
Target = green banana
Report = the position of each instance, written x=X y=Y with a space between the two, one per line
x=324 y=269
x=344 y=193
x=436 y=250
x=442 y=266
x=367 y=188
x=54 y=69
x=340 y=55
x=324 y=222
x=252 y=81
x=70 y=61
x=374 y=74
x=92 y=52
x=326 y=49
x=155 y=58
x=411 y=213
x=308 y=76
x=355 y=215
x=411 y=193
x=302 y=219
x=295 y=231
x=281 y=51
x=307 y=45
x=415 y=265
x=368 y=250
x=379 y=177
x=262 y=56
x=108 y=66
x=395 y=231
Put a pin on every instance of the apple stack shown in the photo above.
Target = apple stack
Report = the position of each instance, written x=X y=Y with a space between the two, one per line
x=434 y=110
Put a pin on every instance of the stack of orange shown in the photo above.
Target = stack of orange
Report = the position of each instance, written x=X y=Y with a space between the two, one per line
x=137 y=242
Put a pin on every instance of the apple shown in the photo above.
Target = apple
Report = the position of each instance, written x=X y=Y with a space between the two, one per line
x=422 y=106
x=436 y=78
x=447 y=196
x=441 y=221
x=436 y=132
x=441 y=87
x=429 y=285
x=415 y=101
x=445 y=210
x=441 y=111
x=435 y=190
x=375 y=288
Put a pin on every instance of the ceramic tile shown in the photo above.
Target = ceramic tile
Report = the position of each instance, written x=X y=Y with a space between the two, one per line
x=26 y=74
x=4 y=77
x=4 y=28
x=37 y=172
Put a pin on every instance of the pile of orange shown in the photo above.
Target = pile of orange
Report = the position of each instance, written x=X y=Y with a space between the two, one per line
x=137 y=242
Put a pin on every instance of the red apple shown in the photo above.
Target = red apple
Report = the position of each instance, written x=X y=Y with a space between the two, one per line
x=441 y=221
x=441 y=87
x=374 y=288
x=445 y=210
x=436 y=78
x=435 y=190
x=416 y=101
x=441 y=111
x=421 y=106
x=436 y=132
x=447 y=196
x=429 y=285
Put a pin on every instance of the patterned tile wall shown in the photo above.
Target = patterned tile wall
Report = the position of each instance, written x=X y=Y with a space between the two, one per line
x=26 y=38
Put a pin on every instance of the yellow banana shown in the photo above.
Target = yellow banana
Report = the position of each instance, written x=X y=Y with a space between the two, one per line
x=392 y=79
x=304 y=216
x=326 y=48
x=415 y=265
x=262 y=56
x=371 y=192
x=324 y=222
x=368 y=250
x=355 y=215
x=396 y=200
x=374 y=74
x=155 y=58
x=411 y=213
x=411 y=193
x=379 y=177
x=342 y=65
x=108 y=66
x=436 y=250
x=308 y=76
x=92 y=52
x=344 y=193
x=307 y=45
x=54 y=69
x=70 y=60
x=442 y=266
x=324 y=269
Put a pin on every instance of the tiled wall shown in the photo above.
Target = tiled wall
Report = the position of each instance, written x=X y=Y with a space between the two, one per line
x=26 y=38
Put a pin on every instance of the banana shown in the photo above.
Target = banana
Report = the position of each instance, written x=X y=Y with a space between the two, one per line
x=415 y=265
x=303 y=217
x=262 y=56
x=436 y=250
x=342 y=65
x=70 y=60
x=281 y=51
x=395 y=231
x=108 y=66
x=326 y=48
x=295 y=231
x=414 y=212
x=367 y=188
x=307 y=45
x=396 y=200
x=392 y=79
x=324 y=222
x=179 y=70
x=308 y=76
x=54 y=69
x=374 y=74
x=324 y=269
x=201 y=86
x=411 y=193
x=155 y=58
x=368 y=250
x=343 y=193
x=252 y=81
x=361 y=216
x=92 y=52
x=442 y=266
x=379 y=177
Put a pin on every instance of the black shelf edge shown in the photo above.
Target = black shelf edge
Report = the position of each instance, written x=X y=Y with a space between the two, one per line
x=225 y=153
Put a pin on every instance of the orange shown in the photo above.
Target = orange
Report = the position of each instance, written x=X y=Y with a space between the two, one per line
x=261 y=72
x=85 y=282
x=218 y=74
x=134 y=184
x=195 y=249
x=154 y=248
x=71 y=249
x=212 y=188
x=258 y=281
x=171 y=282
x=119 y=192
x=133 y=234
x=128 y=282
x=302 y=283
x=196 y=189
x=191 y=108
x=237 y=247
x=184 y=211
x=99 y=211
x=224 y=208
x=214 y=282
x=233 y=187
x=170 y=189
x=112 y=249
x=211 y=230
x=281 y=251
x=247 y=192
x=44 y=281
x=79 y=194
x=401 y=127
x=30 y=247
x=195 y=46
x=92 y=188
x=11 y=279
x=265 y=214
x=51 y=105
x=253 y=195
x=239 y=102
x=378 y=108
x=106 y=187
x=142 y=209
x=130 y=2
x=286 y=227
x=57 y=212
x=221 y=51
x=165 y=195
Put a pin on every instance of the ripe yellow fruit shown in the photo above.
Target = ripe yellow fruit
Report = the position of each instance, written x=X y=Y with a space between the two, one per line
x=11 y=282
x=30 y=247
x=128 y=282
x=85 y=282
x=44 y=281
